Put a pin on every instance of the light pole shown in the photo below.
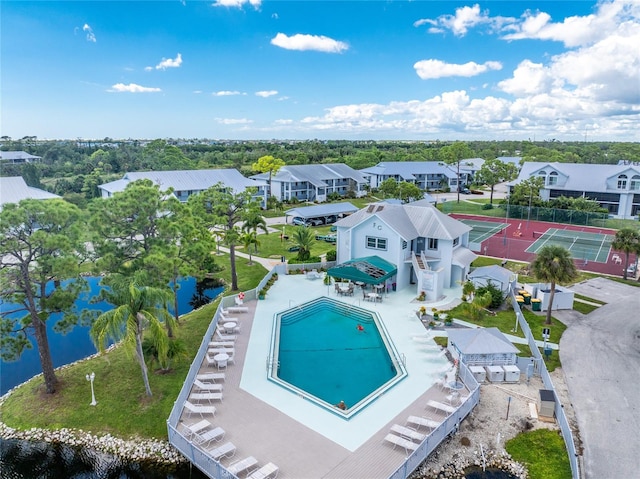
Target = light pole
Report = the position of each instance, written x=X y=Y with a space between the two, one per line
x=90 y=378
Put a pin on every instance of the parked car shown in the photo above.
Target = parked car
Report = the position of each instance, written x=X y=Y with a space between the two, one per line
x=330 y=219
x=299 y=221
x=315 y=221
x=632 y=268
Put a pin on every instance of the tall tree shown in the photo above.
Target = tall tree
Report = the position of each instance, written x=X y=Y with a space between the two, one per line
x=553 y=264
x=268 y=164
x=249 y=239
x=136 y=308
x=303 y=239
x=454 y=155
x=408 y=192
x=389 y=188
x=41 y=249
x=494 y=171
x=627 y=240
x=220 y=207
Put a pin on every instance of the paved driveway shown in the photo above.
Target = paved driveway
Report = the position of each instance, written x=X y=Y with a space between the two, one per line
x=600 y=356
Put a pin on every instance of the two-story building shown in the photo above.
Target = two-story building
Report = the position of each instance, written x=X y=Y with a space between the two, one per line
x=614 y=187
x=14 y=189
x=427 y=247
x=314 y=182
x=189 y=182
x=426 y=175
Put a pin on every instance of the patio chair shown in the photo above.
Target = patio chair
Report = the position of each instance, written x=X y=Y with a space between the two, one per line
x=268 y=471
x=406 y=444
x=192 y=429
x=220 y=452
x=440 y=407
x=211 y=377
x=225 y=319
x=235 y=310
x=407 y=433
x=243 y=466
x=207 y=386
x=420 y=421
x=224 y=337
x=206 y=396
x=209 y=436
x=191 y=408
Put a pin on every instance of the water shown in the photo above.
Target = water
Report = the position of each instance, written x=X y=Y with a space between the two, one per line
x=75 y=345
x=39 y=460
x=489 y=473
x=323 y=352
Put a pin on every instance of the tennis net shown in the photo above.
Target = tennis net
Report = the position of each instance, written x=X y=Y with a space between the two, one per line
x=572 y=239
x=487 y=229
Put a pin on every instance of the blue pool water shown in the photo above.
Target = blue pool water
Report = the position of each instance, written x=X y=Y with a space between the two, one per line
x=75 y=345
x=322 y=352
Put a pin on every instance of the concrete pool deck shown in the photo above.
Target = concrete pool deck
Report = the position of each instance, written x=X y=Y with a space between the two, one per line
x=270 y=423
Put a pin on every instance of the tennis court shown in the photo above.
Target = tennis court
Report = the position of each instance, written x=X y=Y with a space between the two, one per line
x=581 y=244
x=483 y=230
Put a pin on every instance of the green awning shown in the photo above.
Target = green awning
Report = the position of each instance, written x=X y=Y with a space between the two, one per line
x=370 y=270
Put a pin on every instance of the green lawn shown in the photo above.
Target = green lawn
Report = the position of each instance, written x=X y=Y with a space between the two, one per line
x=123 y=408
x=543 y=452
x=272 y=246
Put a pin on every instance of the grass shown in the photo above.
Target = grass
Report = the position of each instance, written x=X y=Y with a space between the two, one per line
x=543 y=452
x=584 y=308
x=587 y=298
x=123 y=408
x=271 y=246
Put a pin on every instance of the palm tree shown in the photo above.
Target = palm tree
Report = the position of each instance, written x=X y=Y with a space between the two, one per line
x=303 y=239
x=136 y=308
x=553 y=264
x=254 y=222
x=627 y=240
x=250 y=238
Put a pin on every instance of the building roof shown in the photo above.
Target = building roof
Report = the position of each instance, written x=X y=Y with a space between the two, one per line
x=314 y=174
x=493 y=272
x=407 y=170
x=185 y=180
x=21 y=156
x=14 y=189
x=580 y=176
x=480 y=341
x=511 y=159
x=322 y=210
x=411 y=220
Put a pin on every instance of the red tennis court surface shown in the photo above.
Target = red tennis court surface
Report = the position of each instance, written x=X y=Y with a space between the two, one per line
x=512 y=242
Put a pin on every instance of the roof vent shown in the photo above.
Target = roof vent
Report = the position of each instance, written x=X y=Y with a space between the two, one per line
x=380 y=207
x=370 y=208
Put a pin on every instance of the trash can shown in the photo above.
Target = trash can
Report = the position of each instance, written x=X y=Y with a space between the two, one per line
x=527 y=298
x=393 y=286
x=535 y=304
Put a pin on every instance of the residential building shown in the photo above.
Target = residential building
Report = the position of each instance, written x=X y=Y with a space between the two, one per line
x=614 y=187
x=14 y=189
x=188 y=182
x=427 y=175
x=314 y=182
x=18 y=157
x=429 y=248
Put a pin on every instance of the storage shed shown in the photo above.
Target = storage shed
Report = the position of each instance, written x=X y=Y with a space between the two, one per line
x=497 y=275
x=546 y=403
x=481 y=347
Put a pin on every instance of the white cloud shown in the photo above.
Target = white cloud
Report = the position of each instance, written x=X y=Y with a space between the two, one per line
x=528 y=79
x=304 y=42
x=133 y=88
x=234 y=121
x=576 y=30
x=167 y=63
x=464 y=19
x=428 y=69
x=266 y=93
x=237 y=3
x=284 y=121
x=91 y=37
x=227 y=93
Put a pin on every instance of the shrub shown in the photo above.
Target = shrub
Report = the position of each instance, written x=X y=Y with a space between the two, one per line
x=332 y=255
x=497 y=297
x=487 y=206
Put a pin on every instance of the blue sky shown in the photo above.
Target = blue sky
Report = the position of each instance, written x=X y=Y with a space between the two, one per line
x=238 y=69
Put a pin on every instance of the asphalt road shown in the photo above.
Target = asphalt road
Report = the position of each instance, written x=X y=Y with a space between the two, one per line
x=600 y=355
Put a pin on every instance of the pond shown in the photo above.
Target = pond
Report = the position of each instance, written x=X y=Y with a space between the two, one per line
x=75 y=345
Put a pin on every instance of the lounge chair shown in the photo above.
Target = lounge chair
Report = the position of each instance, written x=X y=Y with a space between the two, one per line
x=211 y=377
x=207 y=437
x=207 y=386
x=226 y=450
x=210 y=397
x=225 y=319
x=438 y=406
x=243 y=466
x=402 y=442
x=408 y=433
x=224 y=337
x=221 y=344
x=199 y=409
x=193 y=429
x=420 y=421
x=235 y=310
x=268 y=471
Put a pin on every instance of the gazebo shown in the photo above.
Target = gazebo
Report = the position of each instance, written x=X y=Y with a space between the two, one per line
x=368 y=270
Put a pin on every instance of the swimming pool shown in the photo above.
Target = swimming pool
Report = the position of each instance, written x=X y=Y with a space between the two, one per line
x=328 y=351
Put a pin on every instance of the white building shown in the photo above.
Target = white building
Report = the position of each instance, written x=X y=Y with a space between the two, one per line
x=18 y=157
x=14 y=189
x=429 y=248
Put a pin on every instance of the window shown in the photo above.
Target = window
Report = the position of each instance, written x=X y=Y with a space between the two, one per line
x=553 y=178
x=433 y=243
x=456 y=241
x=622 y=182
x=404 y=244
x=635 y=182
x=376 y=243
